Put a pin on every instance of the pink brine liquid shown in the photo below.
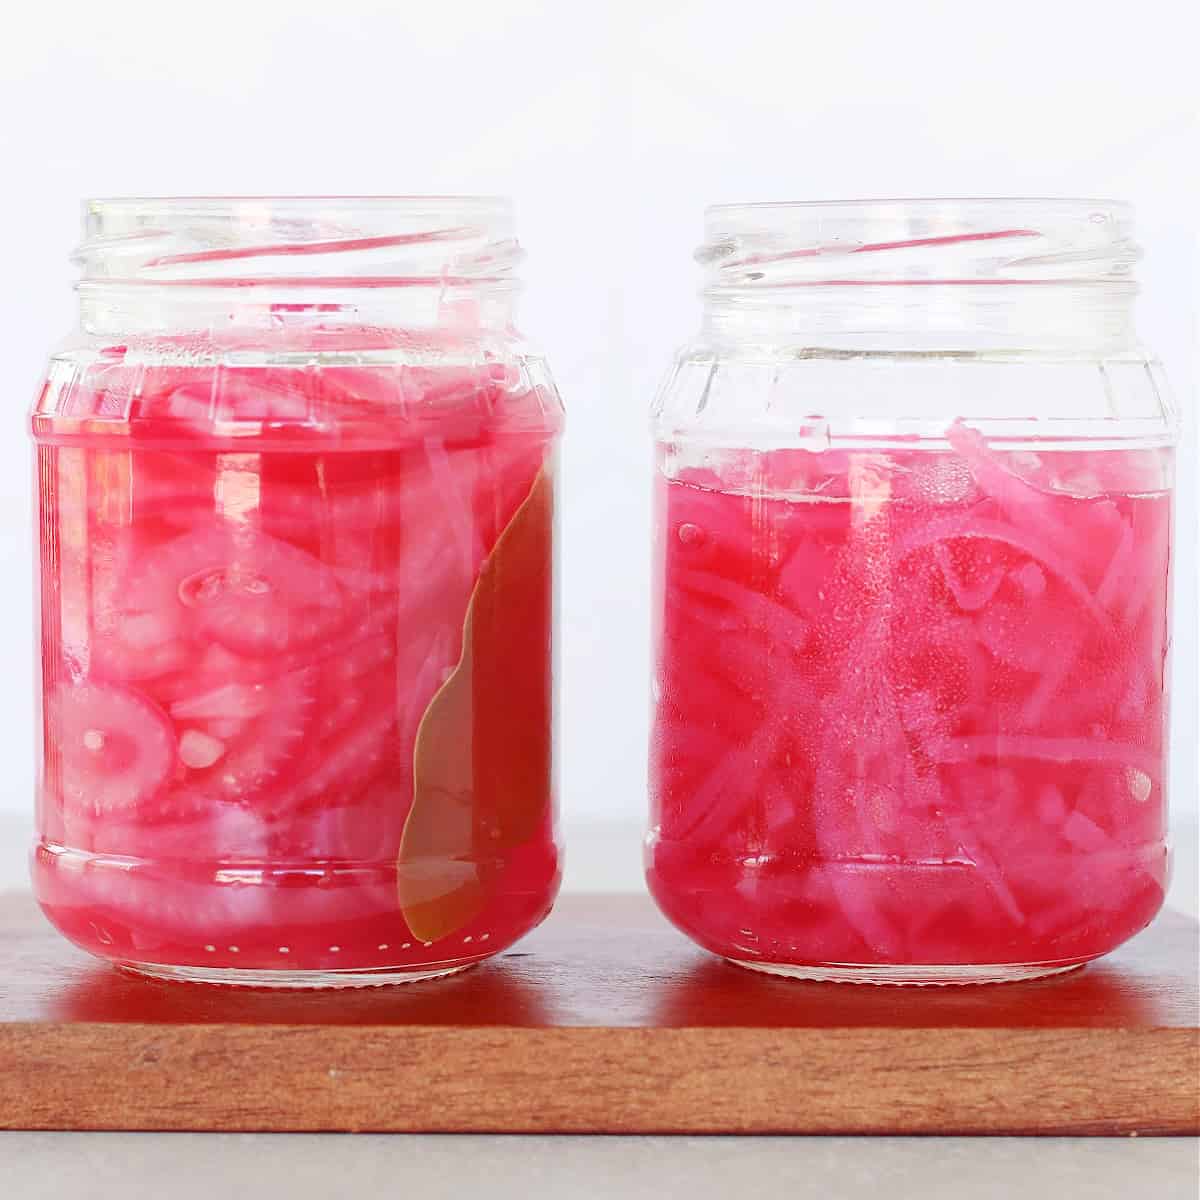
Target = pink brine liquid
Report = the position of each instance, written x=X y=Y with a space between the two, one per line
x=295 y=664
x=910 y=707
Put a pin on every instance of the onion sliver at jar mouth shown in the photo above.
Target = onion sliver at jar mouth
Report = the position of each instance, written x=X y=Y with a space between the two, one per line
x=253 y=591
x=911 y=703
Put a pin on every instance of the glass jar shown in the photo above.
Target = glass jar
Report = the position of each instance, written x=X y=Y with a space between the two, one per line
x=913 y=523
x=295 y=488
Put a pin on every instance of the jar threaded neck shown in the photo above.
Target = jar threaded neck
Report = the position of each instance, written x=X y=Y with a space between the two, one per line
x=929 y=273
x=404 y=259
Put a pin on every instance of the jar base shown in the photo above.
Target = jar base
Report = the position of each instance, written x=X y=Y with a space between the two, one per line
x=915 y=975
x=291 y=980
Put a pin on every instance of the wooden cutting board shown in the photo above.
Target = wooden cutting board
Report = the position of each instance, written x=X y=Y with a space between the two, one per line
x=604 y=1020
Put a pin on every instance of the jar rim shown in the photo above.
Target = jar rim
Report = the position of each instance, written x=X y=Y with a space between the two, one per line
x=211 y=205
x=953 y=205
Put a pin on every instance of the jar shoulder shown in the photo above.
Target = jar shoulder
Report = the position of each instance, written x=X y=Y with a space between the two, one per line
x=317 y=380
x=775 y=394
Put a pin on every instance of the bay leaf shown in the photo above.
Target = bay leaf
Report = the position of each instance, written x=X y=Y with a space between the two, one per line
x=482 y=760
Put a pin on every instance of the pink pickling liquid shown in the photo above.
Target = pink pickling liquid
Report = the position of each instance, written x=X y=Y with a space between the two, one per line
x=253 y=583
x=910 y=704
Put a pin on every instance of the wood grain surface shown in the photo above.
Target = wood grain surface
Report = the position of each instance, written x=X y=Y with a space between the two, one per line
x=604 y=1020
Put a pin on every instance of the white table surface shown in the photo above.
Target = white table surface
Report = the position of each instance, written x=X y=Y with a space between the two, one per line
x=97 y=1166
x=213 y=1166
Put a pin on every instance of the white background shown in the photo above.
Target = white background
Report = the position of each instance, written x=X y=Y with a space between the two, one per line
x=612 y=125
